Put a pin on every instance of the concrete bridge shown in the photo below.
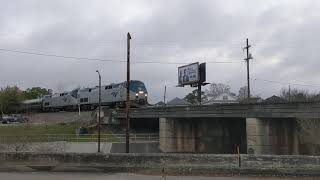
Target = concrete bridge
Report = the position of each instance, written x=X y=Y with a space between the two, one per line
x=254 y=128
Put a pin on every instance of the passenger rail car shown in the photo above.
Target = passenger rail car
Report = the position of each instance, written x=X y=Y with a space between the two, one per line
x=88 y=98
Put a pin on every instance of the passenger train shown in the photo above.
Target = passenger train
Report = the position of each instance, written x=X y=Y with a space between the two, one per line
x=113 y=95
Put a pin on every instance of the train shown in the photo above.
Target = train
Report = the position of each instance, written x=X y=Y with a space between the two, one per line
x=113 y=95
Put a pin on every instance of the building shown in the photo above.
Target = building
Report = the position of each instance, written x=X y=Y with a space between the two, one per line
x=274 y=99
x=222 y=99
x=178 y=102
x=159 y=104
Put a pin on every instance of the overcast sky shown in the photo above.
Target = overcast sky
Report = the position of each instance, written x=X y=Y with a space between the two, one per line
x=284 y=36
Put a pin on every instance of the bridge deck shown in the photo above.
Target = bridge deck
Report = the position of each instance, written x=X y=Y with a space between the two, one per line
x=283 y=110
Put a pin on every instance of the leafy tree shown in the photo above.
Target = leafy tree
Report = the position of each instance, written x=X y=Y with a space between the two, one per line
x=36 y=92
x=10 y=98
x=193 y=97
x=217 y=89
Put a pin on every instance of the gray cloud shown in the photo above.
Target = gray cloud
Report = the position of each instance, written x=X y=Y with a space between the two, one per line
x=283 y=35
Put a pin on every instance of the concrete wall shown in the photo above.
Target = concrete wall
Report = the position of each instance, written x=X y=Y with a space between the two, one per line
x=202 y=135
x=147 y=147
x=223 y=135
x=308 y=135
x=56 y=117
x=163 y=163
x=65 y=116
x=271 y=136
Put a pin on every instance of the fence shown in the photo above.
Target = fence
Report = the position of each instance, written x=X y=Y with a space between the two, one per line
x=111 y=138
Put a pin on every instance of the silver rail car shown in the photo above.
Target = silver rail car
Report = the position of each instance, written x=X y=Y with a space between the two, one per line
x=88 y=98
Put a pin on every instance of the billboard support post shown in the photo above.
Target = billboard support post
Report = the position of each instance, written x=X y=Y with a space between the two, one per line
x=194 y=75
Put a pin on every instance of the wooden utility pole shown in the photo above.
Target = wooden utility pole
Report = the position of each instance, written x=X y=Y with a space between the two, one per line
x=247 y=59
x=99 y=113
x=128 y=94
x=199 y=93
x=164 y=95
x=289 y=93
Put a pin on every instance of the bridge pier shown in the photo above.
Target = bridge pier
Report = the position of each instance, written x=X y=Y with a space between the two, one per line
x=271 y=136
x=202 y=135
x=176 y=136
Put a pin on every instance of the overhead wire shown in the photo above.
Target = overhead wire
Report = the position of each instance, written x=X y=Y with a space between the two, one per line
x=103 y=60
x=287 y=83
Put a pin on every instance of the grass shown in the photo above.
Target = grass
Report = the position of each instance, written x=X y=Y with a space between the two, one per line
x=50 y=132
x=37 y=129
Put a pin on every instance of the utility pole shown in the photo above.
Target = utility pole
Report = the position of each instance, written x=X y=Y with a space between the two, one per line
x=99 y=118
x=247 y=59
x=199 y=93
x=289 y=93
x=79 y=109
x=164 y=95
x=128 y=93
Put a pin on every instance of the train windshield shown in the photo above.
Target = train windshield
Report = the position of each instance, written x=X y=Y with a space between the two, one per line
x=74 y=93
x=136 y=86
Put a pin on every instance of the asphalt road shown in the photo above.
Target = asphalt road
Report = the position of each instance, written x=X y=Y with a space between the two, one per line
x=104 y=176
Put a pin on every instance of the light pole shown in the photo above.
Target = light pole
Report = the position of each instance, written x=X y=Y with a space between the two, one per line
x=99 y=118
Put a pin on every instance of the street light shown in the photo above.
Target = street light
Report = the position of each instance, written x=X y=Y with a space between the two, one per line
x=99 y=110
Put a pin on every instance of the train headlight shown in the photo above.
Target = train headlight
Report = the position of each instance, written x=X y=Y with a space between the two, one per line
x=146 y=95
x=140 y=92
x=137 y=94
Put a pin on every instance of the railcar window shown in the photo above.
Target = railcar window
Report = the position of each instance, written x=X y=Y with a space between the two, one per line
x=84 y=100
x=89 y=90
x=108 y=87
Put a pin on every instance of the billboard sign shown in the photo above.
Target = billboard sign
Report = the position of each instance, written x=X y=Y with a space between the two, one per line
x=188 y=74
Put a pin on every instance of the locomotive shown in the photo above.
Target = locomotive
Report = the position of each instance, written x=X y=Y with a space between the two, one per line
x=113 y=95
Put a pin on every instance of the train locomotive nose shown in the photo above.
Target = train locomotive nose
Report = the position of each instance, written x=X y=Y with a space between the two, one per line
x=141 y=97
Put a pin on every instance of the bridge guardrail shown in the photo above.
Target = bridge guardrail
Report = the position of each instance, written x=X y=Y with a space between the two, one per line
x=284 y=110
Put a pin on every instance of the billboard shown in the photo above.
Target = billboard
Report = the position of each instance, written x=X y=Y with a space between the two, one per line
x=188 y=74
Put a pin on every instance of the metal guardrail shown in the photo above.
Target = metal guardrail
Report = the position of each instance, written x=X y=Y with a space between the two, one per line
x=112 y=138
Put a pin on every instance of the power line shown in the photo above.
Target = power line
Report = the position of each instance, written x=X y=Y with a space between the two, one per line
x=103 y=60
x=287 y=83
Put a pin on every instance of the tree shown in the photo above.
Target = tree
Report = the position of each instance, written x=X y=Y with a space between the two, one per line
x=218 y=89
x=36 y=92
x=243 y=93
x=193 y=97
x=10 y=99
x=296 y=95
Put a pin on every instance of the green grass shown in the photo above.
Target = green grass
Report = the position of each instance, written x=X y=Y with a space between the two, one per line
x=37 y=129
x=50 y=132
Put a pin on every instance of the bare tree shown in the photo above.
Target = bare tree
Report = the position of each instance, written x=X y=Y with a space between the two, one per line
x=296 y=95
x=217 y=89
x=243 y=93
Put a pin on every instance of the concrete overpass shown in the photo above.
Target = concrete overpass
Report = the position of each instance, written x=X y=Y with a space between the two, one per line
x=281 y=110
x=254 y=128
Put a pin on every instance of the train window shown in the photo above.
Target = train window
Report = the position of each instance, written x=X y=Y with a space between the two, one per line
x=89 y=90
x=46 y=104
x=84 y=100
x=108 y=87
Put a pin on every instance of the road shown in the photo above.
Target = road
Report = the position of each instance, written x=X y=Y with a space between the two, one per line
x=104 y=176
